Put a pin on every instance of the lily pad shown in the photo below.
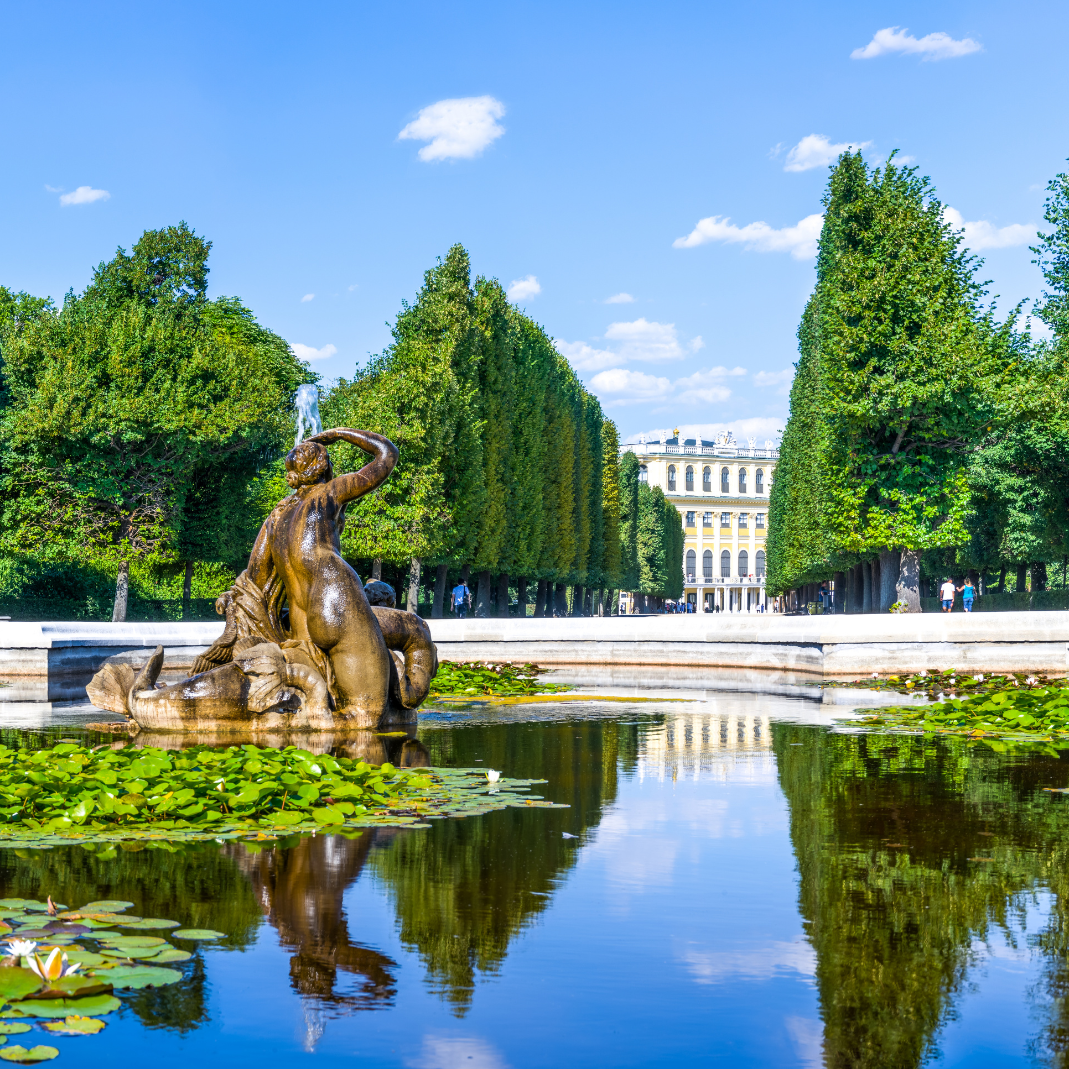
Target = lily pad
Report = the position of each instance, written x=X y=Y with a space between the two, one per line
x=151 y=922
x=75 y=986
x=16 y=983
x=84 y=957
x=22 y=903
x=40 y=1053
x=13 y=1028
x=75 y=1026
x=197 y=933
x=139 y=976
x=133 y=941
x=129 y=952
x=171 y=955
x=106 y=905
x=92 y=1006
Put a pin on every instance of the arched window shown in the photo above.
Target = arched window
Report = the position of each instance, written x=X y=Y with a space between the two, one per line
x=725 y=481
x=742 y=480
x=759 y=481
x=725 y=564
x=707 y=565
x=707 y=480
x=744 y=562
x=691 y=565
x=671 y=476
x=643 y=474
x=759 y=565
x=690 y=478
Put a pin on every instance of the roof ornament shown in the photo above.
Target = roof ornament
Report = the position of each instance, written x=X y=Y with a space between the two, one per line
x=725 y=438
x=753 y=445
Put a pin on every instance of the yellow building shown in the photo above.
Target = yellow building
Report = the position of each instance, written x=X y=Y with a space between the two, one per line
x=721 y=490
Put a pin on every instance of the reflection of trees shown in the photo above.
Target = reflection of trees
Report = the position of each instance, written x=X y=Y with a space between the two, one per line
x=193 y=883
x=892 y=925
x=301 y=888
x=464 y=889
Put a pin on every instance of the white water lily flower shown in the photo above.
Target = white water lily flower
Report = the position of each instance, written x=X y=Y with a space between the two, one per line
x=923 y=672
x=875 y=675
x=54 y=967
x=20 y=948
x=493 y=775
x=979 y=679
x=1031 y=680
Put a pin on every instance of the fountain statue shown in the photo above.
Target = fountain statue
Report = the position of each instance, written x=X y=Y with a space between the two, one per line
x=302 y=647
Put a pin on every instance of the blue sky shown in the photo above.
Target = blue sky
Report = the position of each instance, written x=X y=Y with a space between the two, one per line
x=589 y=143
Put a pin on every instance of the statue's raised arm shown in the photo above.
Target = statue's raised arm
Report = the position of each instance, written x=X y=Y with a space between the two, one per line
x=349 y=487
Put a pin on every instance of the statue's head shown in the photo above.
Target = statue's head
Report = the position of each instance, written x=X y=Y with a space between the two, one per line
x=308 y=463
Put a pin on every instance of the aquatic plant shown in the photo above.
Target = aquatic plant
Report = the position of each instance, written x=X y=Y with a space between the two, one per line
x=470 y=679
x=54 y=967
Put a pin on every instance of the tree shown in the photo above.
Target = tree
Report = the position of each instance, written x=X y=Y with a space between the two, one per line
x=610 y=482
x=630 y=575
x=136 y=414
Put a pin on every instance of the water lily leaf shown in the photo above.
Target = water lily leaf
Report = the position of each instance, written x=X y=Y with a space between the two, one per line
x=286 y=816
x=106 y=905
x=22 y=903
x=128 y=952
x=75 y=986
x=197 y=933
x=139 y=976
x=83 y=957
x=16 y=983
x=40 y=1053
x=75 y=1026
x=152 y=922
x=91 y=1006
x=133 y=941
x=172 y=956
x=13 y=1028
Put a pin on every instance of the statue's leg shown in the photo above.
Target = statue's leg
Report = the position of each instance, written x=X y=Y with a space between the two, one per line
x=341 y=623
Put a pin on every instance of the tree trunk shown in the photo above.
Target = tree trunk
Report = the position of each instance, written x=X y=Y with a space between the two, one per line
x=414 y=568
x=839 y=597
x=441 y=577
x=482 y=598
x=908 y=588
x=1039 y=576
x=540 y=600
x=503 y=595
x=588 y=602
x=1022 y=578
x=376 y=568
x=578 y=600
x=866 y=586
x=521 y=598
x=560 y=600
x=888 y=578
x=122 y=589
x=187 y=592
x=612 y=602
x=1001 y=588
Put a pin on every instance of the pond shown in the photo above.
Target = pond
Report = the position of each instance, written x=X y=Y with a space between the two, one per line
x=736 y=881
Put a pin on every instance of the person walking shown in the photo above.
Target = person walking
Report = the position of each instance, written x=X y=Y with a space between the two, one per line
x=968 y=592
x=946 y=594
x=461 y=599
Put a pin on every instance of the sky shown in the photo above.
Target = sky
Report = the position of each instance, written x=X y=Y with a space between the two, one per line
x=644 y=179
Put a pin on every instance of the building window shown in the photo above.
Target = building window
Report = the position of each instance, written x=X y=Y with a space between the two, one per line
x=691 y=559
x=725 y=519
x=707 y=480
x=725 y=564
x=671 y=476
x=643 y=474
x=759 y=481
x=744 y=521
x=725 y=481
x=744 y=562
x=707 y=565
x=707 y=519
x=742 y=480
x=690 y=519
x=759 y=519
x=690 y=478
x=759 y=564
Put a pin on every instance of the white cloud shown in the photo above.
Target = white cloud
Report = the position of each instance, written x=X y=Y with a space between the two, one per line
x=585 y=357
x=456 y=129
x=456 y=1052
x=984 y=235
x=645 y=340
x=755 y=963
x=815 y=150
x=59 y=189
x=354 y=286
x=627 y=387
x=932 y=46
x=620 y=298
x=781 y=379
x=706 y=387
x=759 y=427
x=83 y=195
x=522 y=288
x=306 y=352
x=799 y=240
x=1038 y=329
x=308 y=297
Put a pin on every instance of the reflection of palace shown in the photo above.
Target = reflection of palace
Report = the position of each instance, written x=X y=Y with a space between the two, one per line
x=721 y=490
x=691 y=744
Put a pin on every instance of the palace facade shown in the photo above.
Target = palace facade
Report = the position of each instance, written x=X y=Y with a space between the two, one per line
x=721 y=490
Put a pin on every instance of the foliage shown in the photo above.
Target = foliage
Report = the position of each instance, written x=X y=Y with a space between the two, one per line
x=630 y=575
x=612 y=554
x=476 y=678
x=659 y=544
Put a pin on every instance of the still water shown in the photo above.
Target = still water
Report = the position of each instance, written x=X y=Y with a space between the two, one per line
x=735 y=883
